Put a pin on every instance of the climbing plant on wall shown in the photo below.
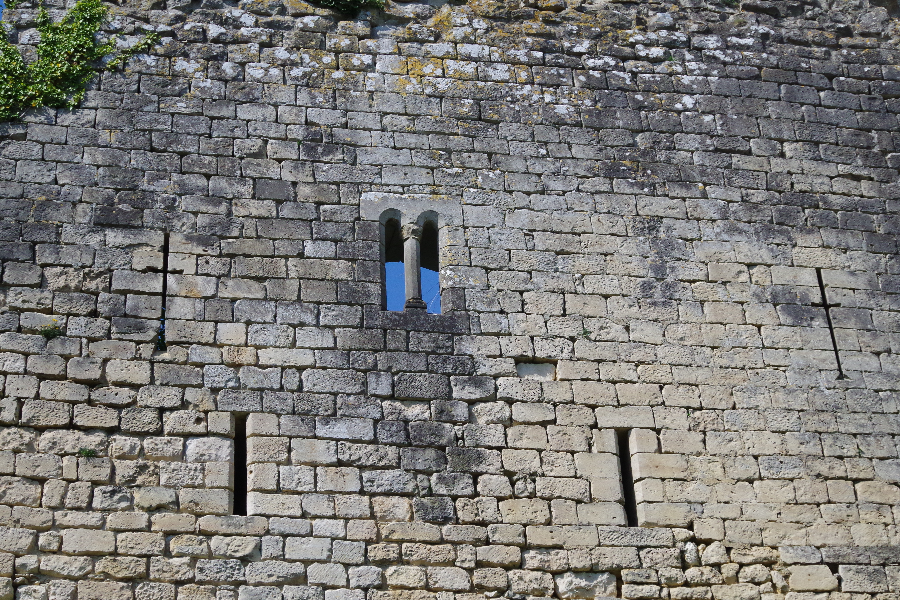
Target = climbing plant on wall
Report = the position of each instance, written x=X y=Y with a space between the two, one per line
x=69 y=55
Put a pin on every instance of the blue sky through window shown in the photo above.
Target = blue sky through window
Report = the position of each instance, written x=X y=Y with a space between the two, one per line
x=431 y=290
x=396 y=287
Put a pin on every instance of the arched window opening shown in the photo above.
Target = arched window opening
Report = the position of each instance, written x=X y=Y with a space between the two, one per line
x=430 y=267
x=394 y=276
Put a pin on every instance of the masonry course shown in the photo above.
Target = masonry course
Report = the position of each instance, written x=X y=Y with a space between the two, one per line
x=640 y=206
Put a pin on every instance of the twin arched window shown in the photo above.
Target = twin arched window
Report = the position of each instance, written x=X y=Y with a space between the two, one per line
x=410 y=264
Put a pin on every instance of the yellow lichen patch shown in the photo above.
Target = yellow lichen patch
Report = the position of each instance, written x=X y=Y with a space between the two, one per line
x=425 y=67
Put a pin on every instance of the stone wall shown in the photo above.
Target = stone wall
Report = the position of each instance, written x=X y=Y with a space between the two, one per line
x=660 y=224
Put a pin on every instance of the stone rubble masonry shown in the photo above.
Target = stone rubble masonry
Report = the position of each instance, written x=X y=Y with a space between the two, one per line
x=637 y=202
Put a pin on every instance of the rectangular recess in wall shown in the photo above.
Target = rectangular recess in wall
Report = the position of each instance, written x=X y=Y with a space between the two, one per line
x=239 y=506
x=542 y=371
x=628 y=494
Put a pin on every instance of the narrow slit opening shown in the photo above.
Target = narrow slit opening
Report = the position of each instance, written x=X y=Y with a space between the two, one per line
x=240 y=466
x=161 y=332
x=628 y=494
x=827 y=306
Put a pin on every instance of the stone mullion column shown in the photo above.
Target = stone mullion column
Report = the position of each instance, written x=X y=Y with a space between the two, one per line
x=412 y=235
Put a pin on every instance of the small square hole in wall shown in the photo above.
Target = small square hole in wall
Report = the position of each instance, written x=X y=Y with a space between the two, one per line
x=542 y=371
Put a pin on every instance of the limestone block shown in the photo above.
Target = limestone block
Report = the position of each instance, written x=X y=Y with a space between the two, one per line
x=104 y=590
x=888 y=470
x=634 y=590
x=326 y=574
x=88 y=541
x=800 y=554
x=659 y=466
x=568 y=439
x=405 y=577
x=71 y=567
x=245 y=547
x=490 y=579
x=98 y=470
x=531 y=582
x=267 y=449
x=812 y=578
x=626 y=416
x=149 y=498
x=338 y=479
x=127 y=372
x=7 y=564
x=738 y=591
x=498 y=555
x=172 y=569
x=306 y=548
x=219 y=571
x=232 y=525
x=298 y=479
x=601 y=513
x=365 y=576
x=473 y=460
x=494 y=485
x=348 y=552
x=197 y=592
x=562 y=487
x=781 y=467
x=703 y=576
x=314 y=452
x=282 y=505
x=527 y=436
x=31 y=592
x=333 y=381
x=597 y=466
x=666 y=514
x=524 y=510
x=259 y=593
x=140 y=420
x=410 y=532
x=585 y=585
x=205 y=501
x=636 y=536
x=40 y=413
x=17 y=439
x=345 y=428
x=448 y=578
x=38 y=466
x=140 y=544
x=858 y=578
x=615 y=558
x=96 y=417
x=209 y=449
x=123 y=567
x=188 y=545
x=473 y=388
x=565 y=536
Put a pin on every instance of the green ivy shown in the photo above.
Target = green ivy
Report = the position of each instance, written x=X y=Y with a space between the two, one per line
x=69 y=55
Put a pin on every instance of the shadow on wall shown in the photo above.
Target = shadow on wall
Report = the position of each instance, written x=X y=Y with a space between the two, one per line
x=892 y=6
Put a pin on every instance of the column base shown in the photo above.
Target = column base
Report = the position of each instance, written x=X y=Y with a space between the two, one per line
x=415 y=303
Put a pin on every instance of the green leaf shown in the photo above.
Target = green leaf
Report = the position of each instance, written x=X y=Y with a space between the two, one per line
x=69 y=56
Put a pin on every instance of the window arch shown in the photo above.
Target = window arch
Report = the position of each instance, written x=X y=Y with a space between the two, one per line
x=429 y=271
x=394 y=289
x=410 y=260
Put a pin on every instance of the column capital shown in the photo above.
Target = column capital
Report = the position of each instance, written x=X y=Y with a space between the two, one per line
x=411 y=230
